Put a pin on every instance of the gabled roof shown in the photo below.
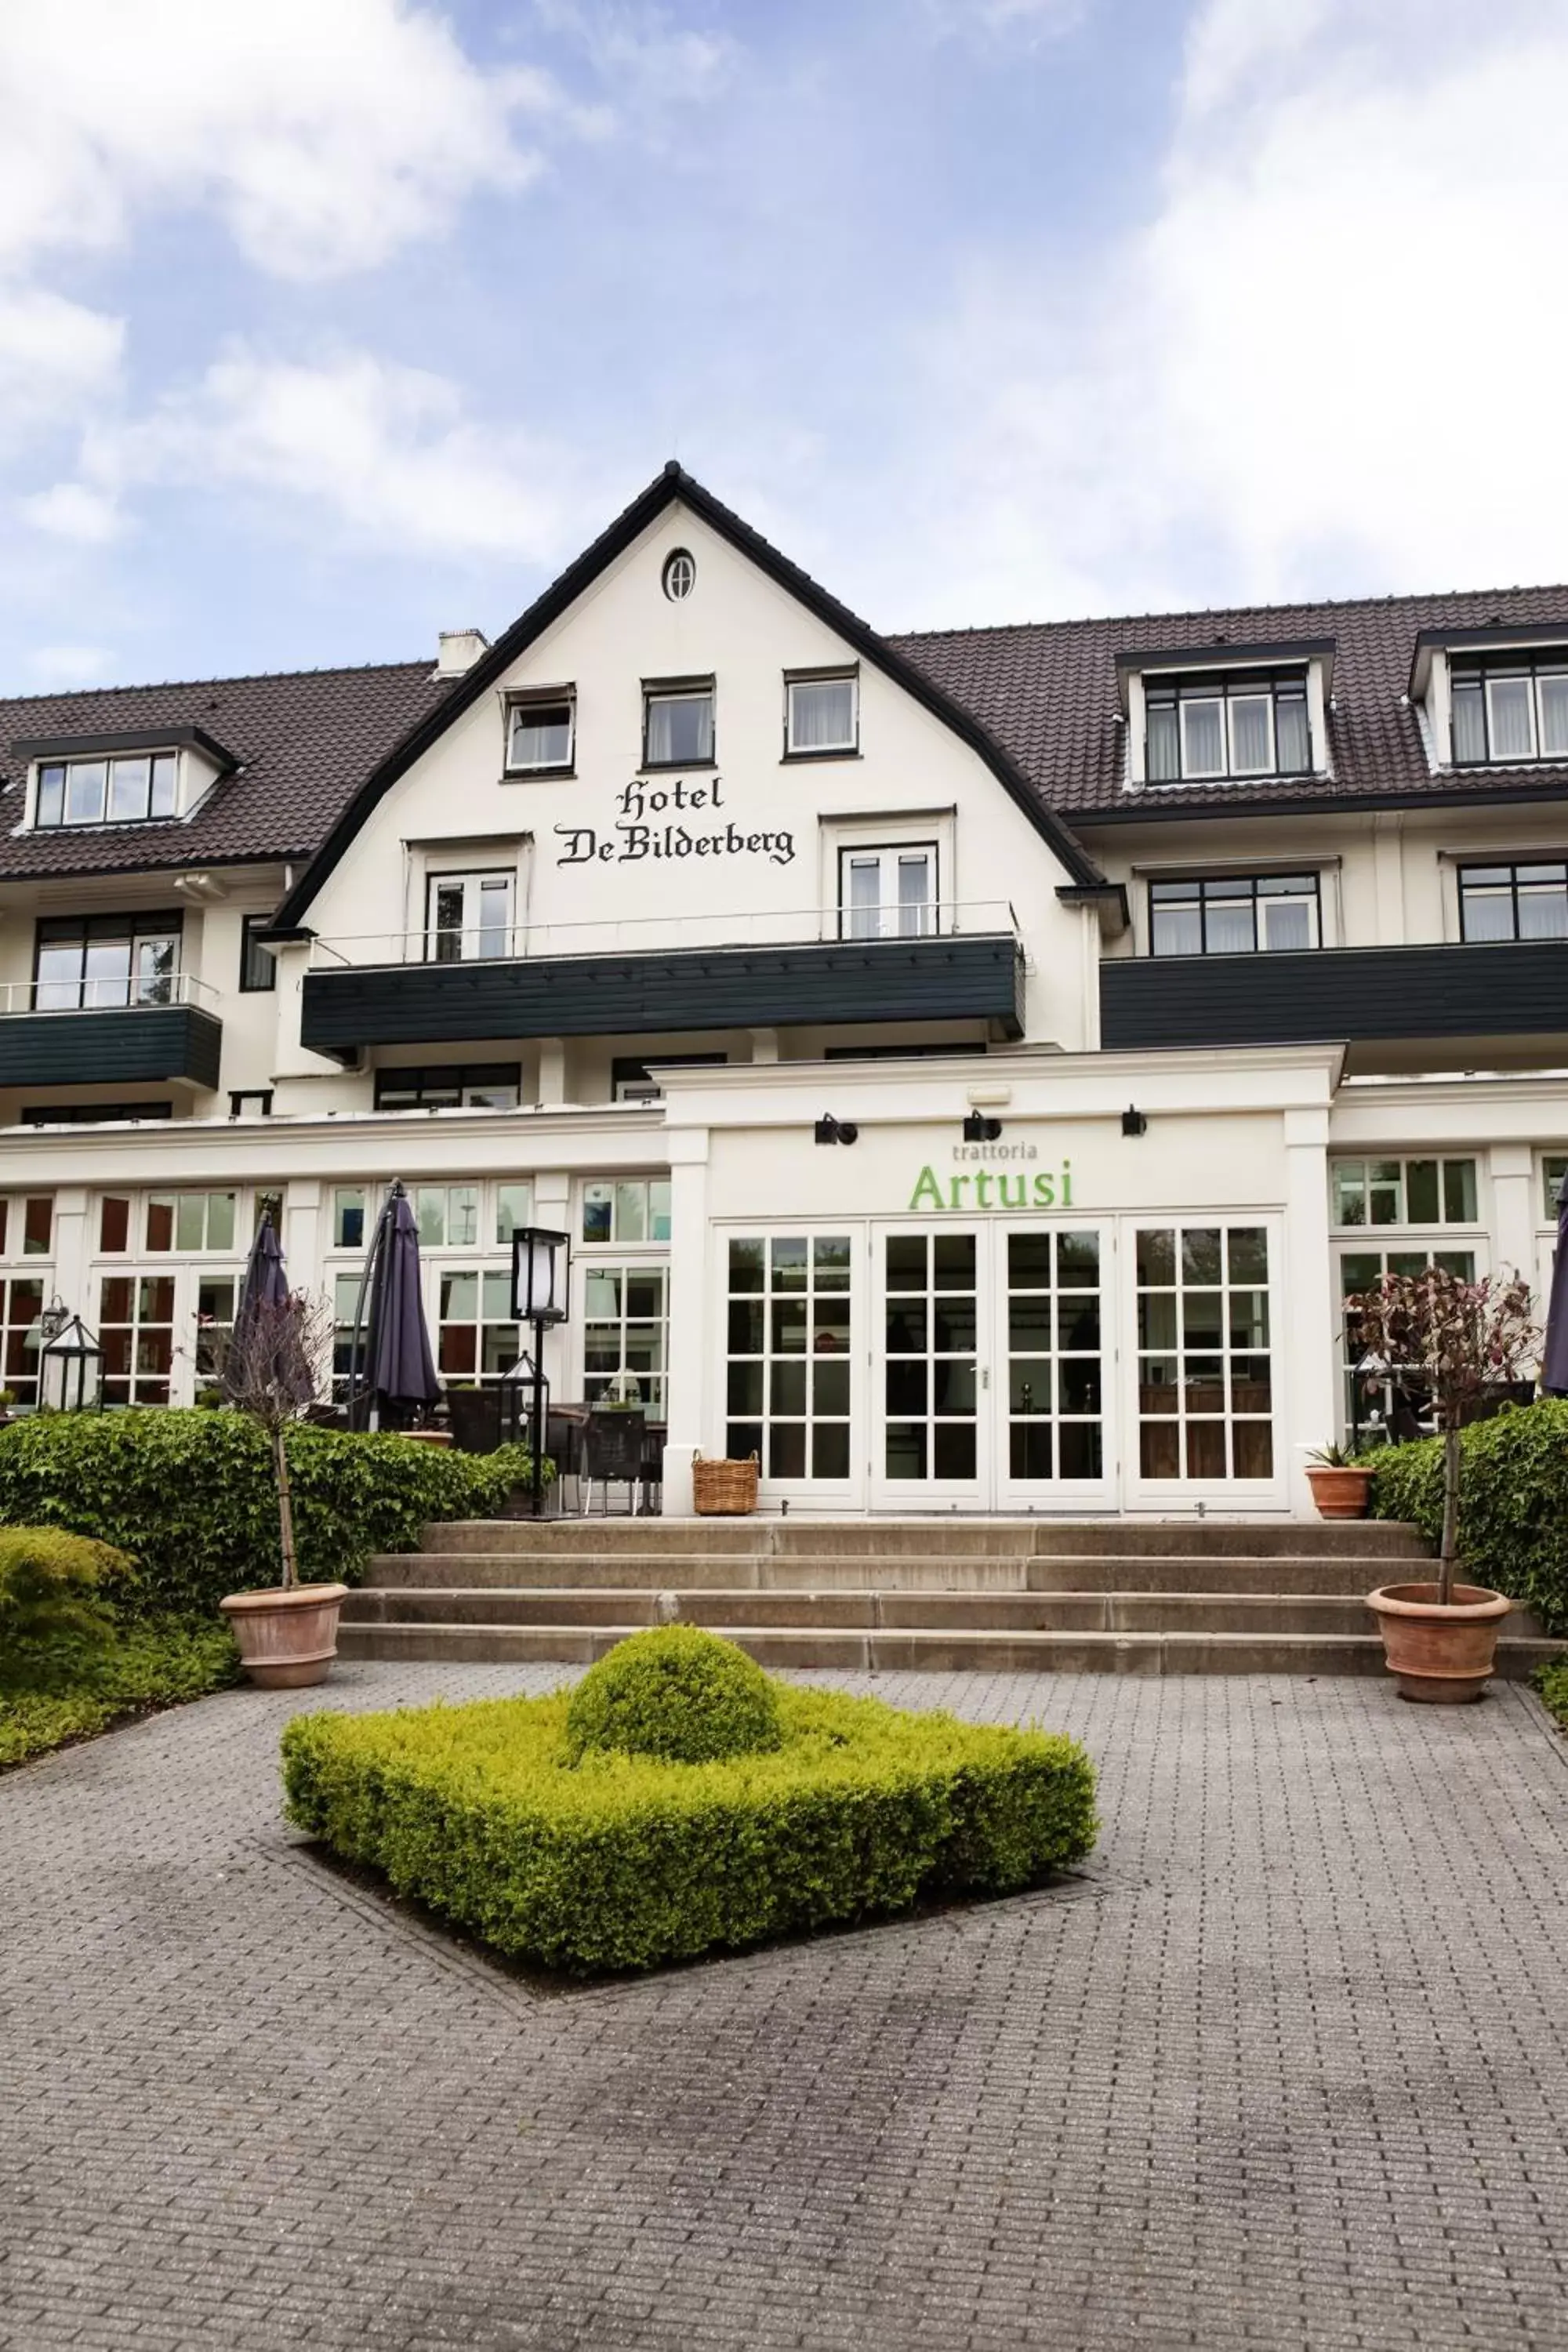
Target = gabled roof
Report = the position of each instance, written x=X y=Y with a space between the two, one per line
x=674 y=487
x=1047 y=690
x=302 y=740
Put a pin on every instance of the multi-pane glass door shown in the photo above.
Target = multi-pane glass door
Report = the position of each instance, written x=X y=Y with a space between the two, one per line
x=927 y=1366
x=1054 y=1344
x=1205 y=1356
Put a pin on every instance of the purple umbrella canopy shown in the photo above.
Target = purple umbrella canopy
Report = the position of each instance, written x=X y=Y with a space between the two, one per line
x=1554 y=1353
x=402 y=1368
x=263 y=1305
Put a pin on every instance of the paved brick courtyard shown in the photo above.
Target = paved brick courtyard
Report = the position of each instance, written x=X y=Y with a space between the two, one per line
x=1286 y=2067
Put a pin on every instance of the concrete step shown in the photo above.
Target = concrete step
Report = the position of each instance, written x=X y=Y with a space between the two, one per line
x=921 y=1612
x=949 y=1537
x=1344 y=1572
x=931 y=1651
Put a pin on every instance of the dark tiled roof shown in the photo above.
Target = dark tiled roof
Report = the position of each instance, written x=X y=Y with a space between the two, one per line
x=304 y=740
x=1047 y=691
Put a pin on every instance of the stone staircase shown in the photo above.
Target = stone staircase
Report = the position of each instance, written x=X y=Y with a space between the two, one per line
x=1189 y=1597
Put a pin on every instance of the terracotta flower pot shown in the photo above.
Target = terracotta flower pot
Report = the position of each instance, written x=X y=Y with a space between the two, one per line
x=1339 y=1494
x=1436 y=1654
x=287 y=1639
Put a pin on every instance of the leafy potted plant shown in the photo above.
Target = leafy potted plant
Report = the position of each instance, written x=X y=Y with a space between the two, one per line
x=287 y=1634
x=1460 y=1339
x=1340 y=1484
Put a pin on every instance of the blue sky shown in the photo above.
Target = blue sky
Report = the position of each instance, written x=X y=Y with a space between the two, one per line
x=328 y=325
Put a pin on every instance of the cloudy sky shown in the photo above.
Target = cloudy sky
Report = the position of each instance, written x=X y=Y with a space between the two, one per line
x=329 y=323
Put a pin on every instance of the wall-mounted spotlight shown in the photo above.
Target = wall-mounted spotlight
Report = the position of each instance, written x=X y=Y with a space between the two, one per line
x=836 y=1131
x=1133 y=1122
x=978 y=1129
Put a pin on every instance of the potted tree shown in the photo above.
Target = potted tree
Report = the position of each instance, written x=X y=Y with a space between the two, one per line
x=1461 y=1339
x=287 y=1633
x=1339 y=1483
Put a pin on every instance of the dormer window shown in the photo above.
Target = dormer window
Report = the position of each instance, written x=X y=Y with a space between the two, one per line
x=539 y=733
x=1509 y=708
x=108 y=792
x=1205 y=728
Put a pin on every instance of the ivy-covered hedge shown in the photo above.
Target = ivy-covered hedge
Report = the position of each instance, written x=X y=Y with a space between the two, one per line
x=623 y=1861
x=1513 y=1502
x=189 y=1495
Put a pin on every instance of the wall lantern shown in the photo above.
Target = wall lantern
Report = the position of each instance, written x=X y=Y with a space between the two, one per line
x=836 y=1131
x=69 y=1365
x=541 y=1274
x=1133 y=1122
x=978 y=1129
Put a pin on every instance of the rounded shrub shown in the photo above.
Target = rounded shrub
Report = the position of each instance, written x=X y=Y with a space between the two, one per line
x=676 y=1693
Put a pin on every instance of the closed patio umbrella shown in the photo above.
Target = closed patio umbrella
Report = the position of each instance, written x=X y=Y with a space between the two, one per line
x=1554 y=1353
x=401 y=1370
x=263 y=1291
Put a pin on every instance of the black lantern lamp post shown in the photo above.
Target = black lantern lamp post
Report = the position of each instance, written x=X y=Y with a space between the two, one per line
x=541 y=1289
x=69 y=1362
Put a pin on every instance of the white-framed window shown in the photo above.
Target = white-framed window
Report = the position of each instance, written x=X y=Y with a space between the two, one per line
x=1204 y=1353
x=468 y=917
x=1514 y=902
x=88 y=962
x=136 y=1333
x=1511 y=707
x=1399 y=1192
x=1390 y=1400
x=678 y=725
x=678 y=576
x=125 y=791
x=888 y=891
x=189 y=1222
x=477 y=1214
x=1235 y=915
x=26 y=1225
x=541 y=732
x=21 y=1306
x=1554 y=1170
x=626 y=1209
x=822 y=715
x=1253 y=723
x=788 y=1341
x=449 y=1086
x=625 y=1335
x=475 y=1335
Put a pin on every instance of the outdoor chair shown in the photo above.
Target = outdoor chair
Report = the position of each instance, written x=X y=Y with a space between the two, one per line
x=613 y=1454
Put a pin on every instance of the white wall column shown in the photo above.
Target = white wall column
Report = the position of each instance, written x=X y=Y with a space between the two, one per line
x=552 y=1209
x=690 y=1338
x=551 y=1075
x=73 y=1248
x=1306 y=1351
x=1514 y=1217
x=301 y=1237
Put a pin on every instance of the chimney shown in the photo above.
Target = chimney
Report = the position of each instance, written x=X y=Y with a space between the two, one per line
x=457 y=652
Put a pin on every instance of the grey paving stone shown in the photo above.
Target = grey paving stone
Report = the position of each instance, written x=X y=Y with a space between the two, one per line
x=1285 y=2066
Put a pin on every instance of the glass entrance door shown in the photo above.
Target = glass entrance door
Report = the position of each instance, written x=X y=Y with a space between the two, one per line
x=1053 y=1343
x=928 y=1376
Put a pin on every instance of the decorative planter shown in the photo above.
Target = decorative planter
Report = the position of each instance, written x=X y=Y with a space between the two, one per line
x=1440 y=1654
x=1339 y=1494
x=287 y=1639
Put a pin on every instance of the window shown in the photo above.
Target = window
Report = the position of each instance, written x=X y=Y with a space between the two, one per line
x=678 y=725
x=216 y=1295
x=1553 y=1170
x=468 y=1085
x=627 y=1210
x=626 y=1326
x=1514 y=902
x=1054 y=1356
x=475 y=1338
x=191 y=1221
x=1252 y=723
x=633 y=1081
x=679 y=575
x=887 y=894
x=106 y=791
x=540 y=736
x=1238 y=915
x=1372 y=1401
x=136 y=1332
x=447 y=1215
x=91 y=1114
x=26 y=1225
x=258 y=964
x=468 y=917
x=1205 y=1386
x=85 y=963
x=255 y=1104
x=1404 y=1191
x=1511 y=709
x=821 y=715
x=21 y=1304
x=348 y=1217
x=789 y=1338
x=931 y=1371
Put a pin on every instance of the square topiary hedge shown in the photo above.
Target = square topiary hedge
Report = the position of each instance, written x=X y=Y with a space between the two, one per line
x=623 y=1861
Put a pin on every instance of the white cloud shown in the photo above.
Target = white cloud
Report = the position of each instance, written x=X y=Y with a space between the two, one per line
x=73 y=511
x=325 y=136
x=54 y=354
x=1332 y=358
x=67 y=665
x=1029 y=20
x=382 y=454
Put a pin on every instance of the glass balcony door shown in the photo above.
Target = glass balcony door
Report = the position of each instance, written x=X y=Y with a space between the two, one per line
x=888 y=893
x=468 y=917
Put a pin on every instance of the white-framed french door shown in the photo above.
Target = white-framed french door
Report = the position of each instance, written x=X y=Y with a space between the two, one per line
x=1202 y=1361
x=1055 y=1438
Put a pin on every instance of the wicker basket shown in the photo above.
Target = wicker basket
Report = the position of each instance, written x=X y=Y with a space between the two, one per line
x=724 y=1489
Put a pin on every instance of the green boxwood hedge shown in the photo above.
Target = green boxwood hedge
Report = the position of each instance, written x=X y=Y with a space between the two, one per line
x=189 y=1495
x=625 y=1862
x=1513 y=1502
x=675 y=1692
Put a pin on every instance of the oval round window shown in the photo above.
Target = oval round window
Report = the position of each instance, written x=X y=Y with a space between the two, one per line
x=679 y=575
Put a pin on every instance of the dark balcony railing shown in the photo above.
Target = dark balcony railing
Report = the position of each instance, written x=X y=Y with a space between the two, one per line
x=631 y=988
x=1500 y=989
x=168 y=1035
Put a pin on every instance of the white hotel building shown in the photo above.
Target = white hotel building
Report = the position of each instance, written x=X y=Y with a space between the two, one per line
x=1242 y=937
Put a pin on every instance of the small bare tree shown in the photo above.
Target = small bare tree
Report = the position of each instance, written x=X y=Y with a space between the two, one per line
x=269 y=1368
x=1458 y=1338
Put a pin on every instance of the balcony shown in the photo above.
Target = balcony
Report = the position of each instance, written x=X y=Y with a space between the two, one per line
x=115 y=1037
x=1361 y=995
x=659 y=975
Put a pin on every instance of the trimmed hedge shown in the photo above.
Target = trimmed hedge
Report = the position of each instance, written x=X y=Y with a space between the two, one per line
x=57 y=1587
x=71 y=1693
x=1513 y=1502
x=1552 y=1682
x=677 y=1693
x=627 y=1862
x=190 y=1495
